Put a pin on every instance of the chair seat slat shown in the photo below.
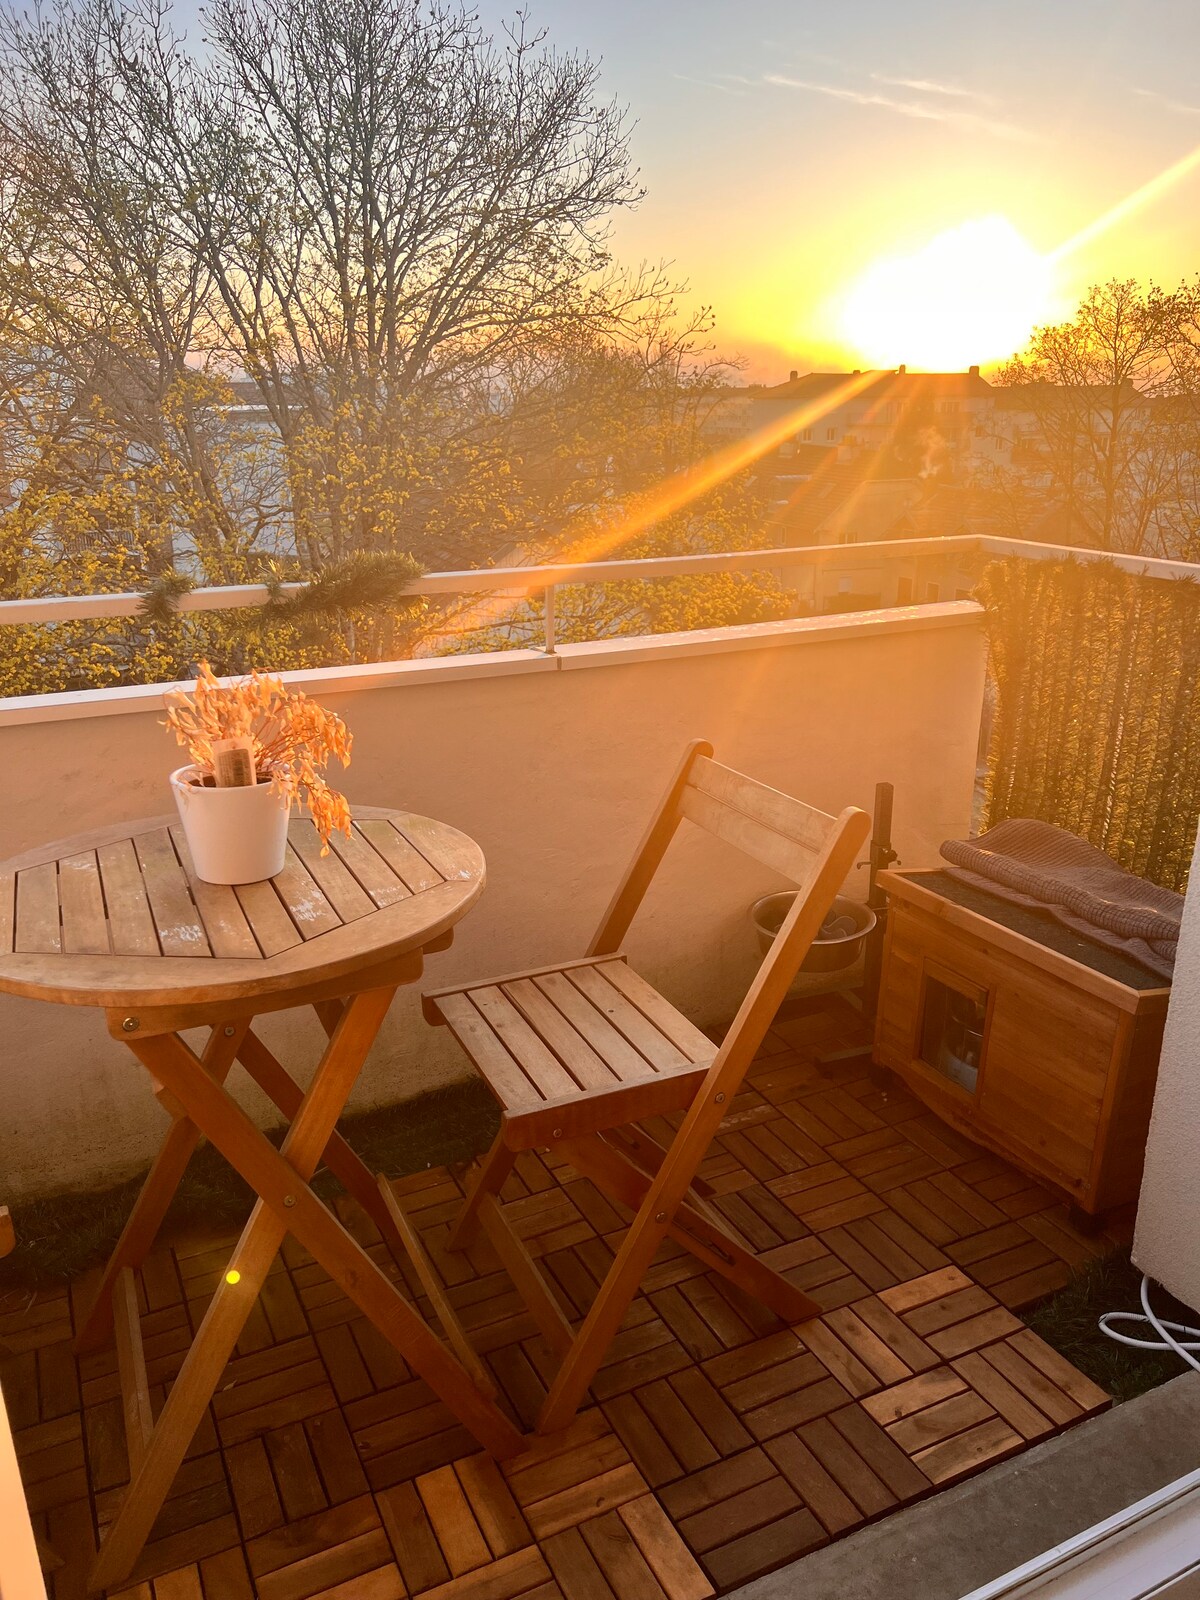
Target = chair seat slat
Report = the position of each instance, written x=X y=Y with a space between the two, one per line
x=572 y=1049
x=540 y=1065
x=651 y=1042
x=479 y=1039
x=696 y=1046
x=618 y=1055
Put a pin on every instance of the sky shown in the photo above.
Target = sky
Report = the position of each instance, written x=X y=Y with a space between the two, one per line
x=871 y=182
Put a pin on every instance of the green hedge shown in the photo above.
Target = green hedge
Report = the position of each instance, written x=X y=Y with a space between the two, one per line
x=1097 y=724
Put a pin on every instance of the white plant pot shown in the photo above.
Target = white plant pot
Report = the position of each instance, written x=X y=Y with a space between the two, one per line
x=235 y=835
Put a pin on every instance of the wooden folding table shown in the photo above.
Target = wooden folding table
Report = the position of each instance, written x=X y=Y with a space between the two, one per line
x=118 y=920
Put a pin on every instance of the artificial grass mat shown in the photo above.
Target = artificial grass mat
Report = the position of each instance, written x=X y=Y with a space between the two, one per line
x=1069 y=1320
x=60 y=1238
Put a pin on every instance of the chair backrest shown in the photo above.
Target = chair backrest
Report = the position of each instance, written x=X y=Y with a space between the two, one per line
x=812 y=848
x=781 y=833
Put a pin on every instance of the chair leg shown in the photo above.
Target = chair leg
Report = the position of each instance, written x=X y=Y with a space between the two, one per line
x=526 y=1276
x=697 y=1230
x=645 y=1153
x=490 y=1177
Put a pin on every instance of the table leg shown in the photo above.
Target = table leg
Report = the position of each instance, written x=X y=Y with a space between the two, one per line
x=287 y=1204
x=156 y=1194
x=278 y=1084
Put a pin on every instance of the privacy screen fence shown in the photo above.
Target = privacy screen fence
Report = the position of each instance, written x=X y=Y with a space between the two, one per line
x=1097 y=723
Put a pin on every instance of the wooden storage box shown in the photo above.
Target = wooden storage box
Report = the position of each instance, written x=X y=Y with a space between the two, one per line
x=1035 y=1042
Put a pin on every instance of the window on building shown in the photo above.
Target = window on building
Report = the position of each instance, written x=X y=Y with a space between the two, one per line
x=807 y=434
x=933 y=591
x=904 y=591
x=831 y=433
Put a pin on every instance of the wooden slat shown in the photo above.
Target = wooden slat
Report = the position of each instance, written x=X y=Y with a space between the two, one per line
x=802 y=824
x=475 y=1034
x=696 y=1046
x=922 y=1291
x=543 y=1069
x=370 y=869
x=304 y=898
x=618 y=1055
x=571 y=1048
x=1018 y=1411
x=1029 y=1381
x=967 y=1452
x=409 y=865
x=131 y=1365
x=131 y=922
x=433 y=846
x=657 y=1049
x=265 y=912
x=1073 y=1383
x=84 y=925
x=668 y=1557
x=868 y=1347
x=224 y=920
x=38 y=928
x=902 y=1399
x=746 y=834
x=522 y=1269
x=180 y=932
x=347 y=896
x=940 y=1421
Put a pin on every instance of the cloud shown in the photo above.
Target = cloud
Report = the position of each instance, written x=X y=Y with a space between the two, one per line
x=928 y=86
x=916 y=109
x=1180 y=107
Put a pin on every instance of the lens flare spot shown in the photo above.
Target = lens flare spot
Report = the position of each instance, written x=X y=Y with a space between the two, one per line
x=233 y=1276
x=972 y=294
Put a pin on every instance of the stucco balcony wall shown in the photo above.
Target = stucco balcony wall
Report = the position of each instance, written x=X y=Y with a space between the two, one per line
x=552 y=763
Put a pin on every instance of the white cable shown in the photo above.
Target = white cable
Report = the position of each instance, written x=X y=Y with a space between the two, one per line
x=1165 y=1330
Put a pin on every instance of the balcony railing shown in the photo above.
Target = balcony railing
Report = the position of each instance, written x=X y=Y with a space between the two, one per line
x=544 y=581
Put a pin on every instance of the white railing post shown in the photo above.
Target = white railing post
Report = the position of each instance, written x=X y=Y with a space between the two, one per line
x=548 y=619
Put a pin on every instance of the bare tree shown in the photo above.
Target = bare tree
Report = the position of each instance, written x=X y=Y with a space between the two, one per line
x=1095 y=443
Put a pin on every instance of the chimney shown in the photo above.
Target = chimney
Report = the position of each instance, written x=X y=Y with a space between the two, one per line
x=900 y=371
x=793 y=375
x=972 y=372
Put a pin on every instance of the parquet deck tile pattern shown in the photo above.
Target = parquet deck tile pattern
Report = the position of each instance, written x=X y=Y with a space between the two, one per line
x=721 y=1443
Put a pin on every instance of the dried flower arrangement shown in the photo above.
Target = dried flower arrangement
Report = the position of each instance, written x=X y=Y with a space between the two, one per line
x=290 y=738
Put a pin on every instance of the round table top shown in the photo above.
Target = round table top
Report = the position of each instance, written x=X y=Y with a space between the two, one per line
x=118 y=918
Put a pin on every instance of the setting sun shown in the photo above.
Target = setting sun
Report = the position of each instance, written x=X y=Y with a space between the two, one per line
x=971 y=295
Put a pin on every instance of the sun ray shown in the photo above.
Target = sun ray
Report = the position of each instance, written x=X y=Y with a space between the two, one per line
x=1143 y=196
x=680 y=490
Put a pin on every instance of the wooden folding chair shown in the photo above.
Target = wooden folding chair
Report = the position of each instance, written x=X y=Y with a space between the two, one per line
x=580 y=1053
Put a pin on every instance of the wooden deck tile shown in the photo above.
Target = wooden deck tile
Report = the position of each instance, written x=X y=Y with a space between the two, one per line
x=722 y=1443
